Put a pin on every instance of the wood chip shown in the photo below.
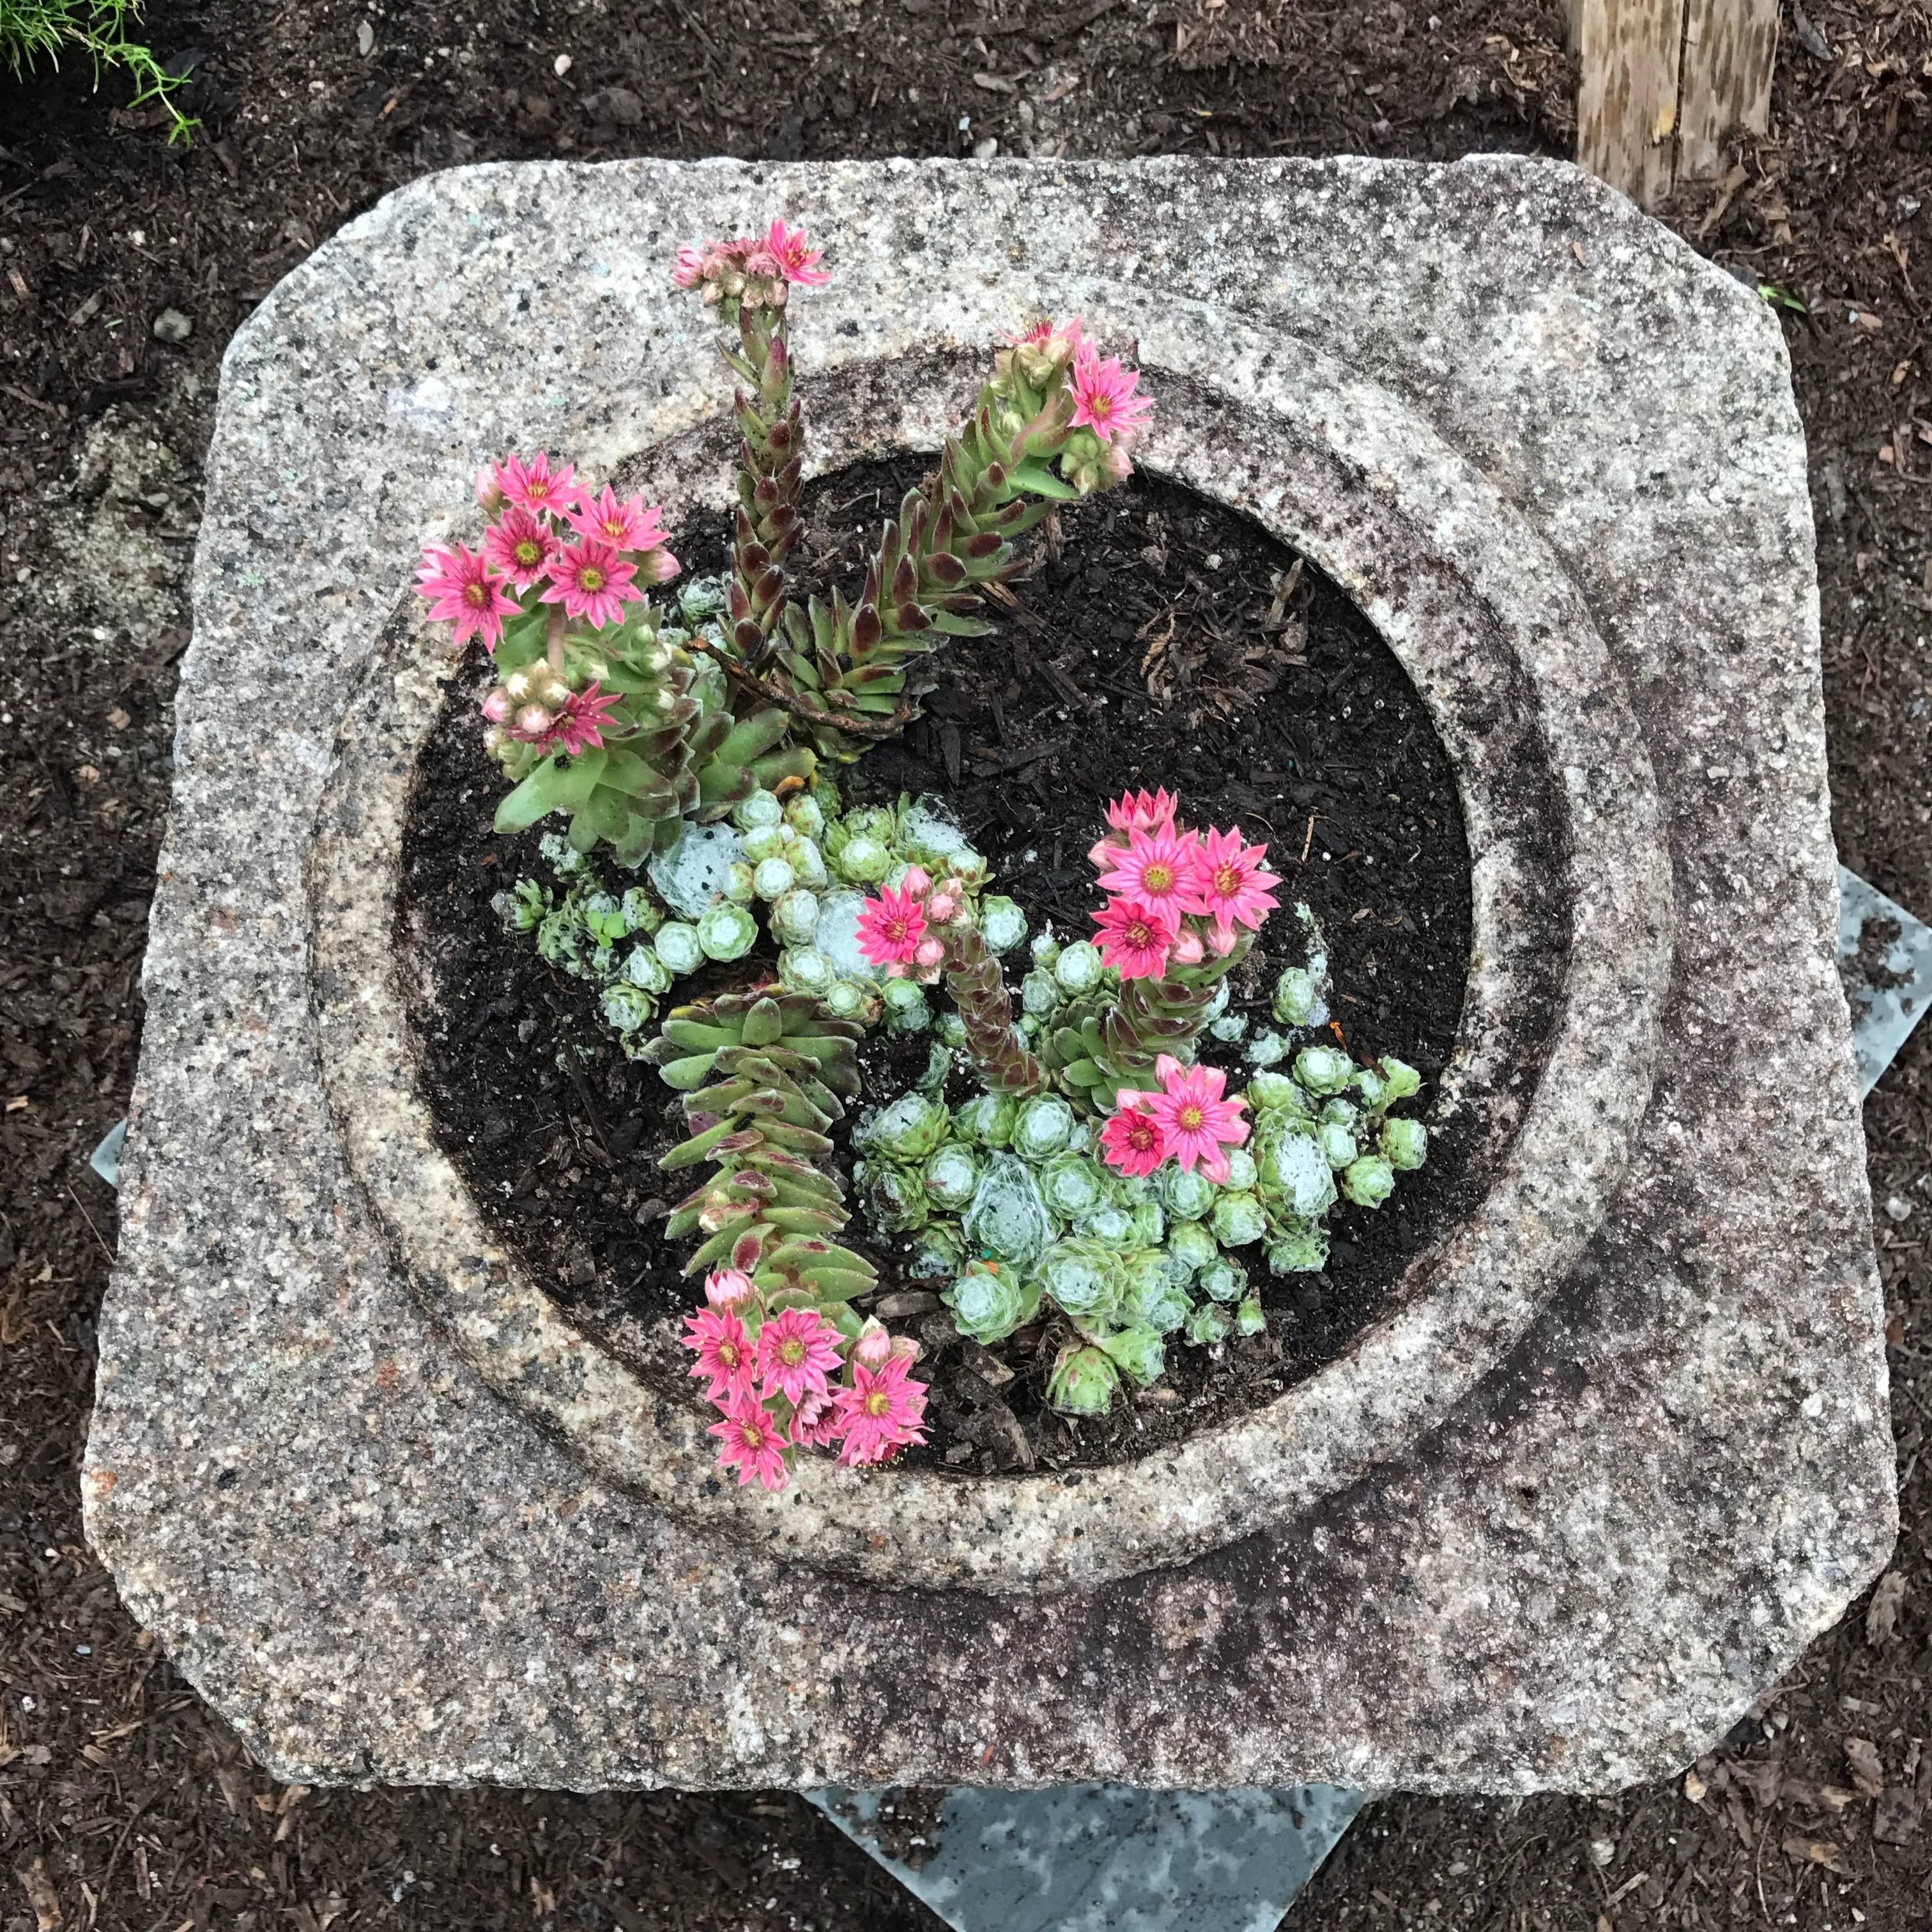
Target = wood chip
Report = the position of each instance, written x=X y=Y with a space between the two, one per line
x=1867 y=1772
x=1897 y=1817
x=1881 y=1612
x=41 y=1895
x=1818 y=1851
x=1809 y=1793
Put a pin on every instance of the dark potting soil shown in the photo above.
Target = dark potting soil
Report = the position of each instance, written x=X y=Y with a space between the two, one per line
x=1156 y=639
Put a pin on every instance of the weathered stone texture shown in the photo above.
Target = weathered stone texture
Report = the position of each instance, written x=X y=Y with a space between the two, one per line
x=1656 y=1460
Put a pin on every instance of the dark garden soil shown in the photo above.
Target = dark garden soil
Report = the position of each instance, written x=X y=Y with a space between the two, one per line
x=1153 y=637
x=124 y=1803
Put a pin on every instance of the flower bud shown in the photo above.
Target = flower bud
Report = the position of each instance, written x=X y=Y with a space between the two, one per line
x=657 y=566
x=533 y=721
x=522 y=685
x=941 y=907
x=498 y=706
x=916 y=881
x=489 y=495
x=494 y=740
x=906 y=1350
x=1187 y=949
x=554 y=693
x=727 y=1290
x=873 y=1348
x=931 y=953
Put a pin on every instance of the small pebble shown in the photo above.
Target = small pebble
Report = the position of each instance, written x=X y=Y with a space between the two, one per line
x=560 y=66
x=365 y=40
x=1898 y=1207
x=985 y=151
x=171 y=326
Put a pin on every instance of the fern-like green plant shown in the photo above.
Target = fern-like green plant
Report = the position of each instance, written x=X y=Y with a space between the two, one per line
x=32 y=31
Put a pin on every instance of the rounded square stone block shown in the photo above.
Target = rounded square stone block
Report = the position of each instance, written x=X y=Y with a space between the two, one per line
x=1555 y=1528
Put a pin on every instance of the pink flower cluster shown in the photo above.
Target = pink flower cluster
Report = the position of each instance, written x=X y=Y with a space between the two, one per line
x=575 y=723
x=895 y=930
x=1105 y=391
x=1174 y=896
x=590 y=554
x=757 y=270
x=1190 y=1118
x=774 y=1378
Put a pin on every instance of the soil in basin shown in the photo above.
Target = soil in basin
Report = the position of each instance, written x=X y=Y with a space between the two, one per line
x=1156 y=638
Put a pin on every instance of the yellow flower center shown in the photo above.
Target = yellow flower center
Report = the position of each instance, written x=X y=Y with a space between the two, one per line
x=530 y=553
x=878 y=1403
x=1190 y=1119
x=1227 y=880
x=791 y=1352
x=1158 y=877
x=590 y=578
x=476 y=596
x=614 y=530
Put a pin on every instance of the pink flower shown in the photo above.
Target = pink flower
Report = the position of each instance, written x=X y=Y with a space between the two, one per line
x=1157 y=868
x=1231 y=886
x=461 y=591
x=1133 y=812
x=818 y=1423
x=538 y=488
x=749 y=1441
x=582 y=723
x=1037 y=333
x=1197 y=1121
x=891 y=928
x=1135 y=939
x=796 y=1350
x=1103 y=397
x=873 y=1348
x=624 y=526
x=795 y=261
x=1132 y=1140
x=883 y=1409
x=728 y=1289
x=591 y=581
x=521 y=546
x=692 y=266
x=724 y=1354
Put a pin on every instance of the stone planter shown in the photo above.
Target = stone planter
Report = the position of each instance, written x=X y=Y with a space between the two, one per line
x=1619 y=1448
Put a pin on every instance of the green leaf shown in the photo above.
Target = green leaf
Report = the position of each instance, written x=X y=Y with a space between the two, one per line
x=1039 y=481
x=557 y=785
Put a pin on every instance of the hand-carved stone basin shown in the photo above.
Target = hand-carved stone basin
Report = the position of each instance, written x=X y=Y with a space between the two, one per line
x=1619 y=1448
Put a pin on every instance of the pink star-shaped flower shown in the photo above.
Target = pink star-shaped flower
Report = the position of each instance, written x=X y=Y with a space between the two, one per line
x=797 y=262
x=1104 y=400
x=1132 y=1140
x=534 y=486
x=724 y=1355
x=462 y=591
x=520 y=545
x=891 y=927
x=882 y=1409
x=1198 y=1123
x=1157 y=868
x=750 y=1442
x=1135 y=939
x=796 y=1350
x=591 y=581
x=626 y=526
x=1231 y=886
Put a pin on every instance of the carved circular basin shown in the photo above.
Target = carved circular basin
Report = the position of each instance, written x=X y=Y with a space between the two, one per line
x=1518 y=684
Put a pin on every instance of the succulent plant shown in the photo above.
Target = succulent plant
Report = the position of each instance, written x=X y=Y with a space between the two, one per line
x=987 y=1119
x=1008 y=1220
x=1073 y=1183
x=990 y=1300
x=1002 y=924
x=1139 y=1352
x=1239 y=1219
x=1083 y=1381
x=1368 y=1181
x=726 y=932
x=1188 y=1192
x=1041 y=1127
x=1191 y=1247
x=1324 y=1069
x=1296 y=1247
x=679 y=947
x=1250 y=1317
x=908 y=1131
x=1208 y=1324
x=769 y=1072
x=907 y=1008
x=1404 y=1144
x=1222 y=1280
x=1083 y=1277
x=938 y=1253
x=952 y=1176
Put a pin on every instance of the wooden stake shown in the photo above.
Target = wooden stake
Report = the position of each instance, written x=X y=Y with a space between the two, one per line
x=1666 y=82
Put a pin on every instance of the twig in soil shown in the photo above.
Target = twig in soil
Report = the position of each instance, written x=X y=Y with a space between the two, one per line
x=1307 y=838
x=837 y=720
x=91 y=1228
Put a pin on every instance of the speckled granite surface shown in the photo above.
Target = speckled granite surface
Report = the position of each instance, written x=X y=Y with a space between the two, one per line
x=1657 y=1467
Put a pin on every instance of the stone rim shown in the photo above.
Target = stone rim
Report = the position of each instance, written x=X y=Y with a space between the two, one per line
x=1463 y=1303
